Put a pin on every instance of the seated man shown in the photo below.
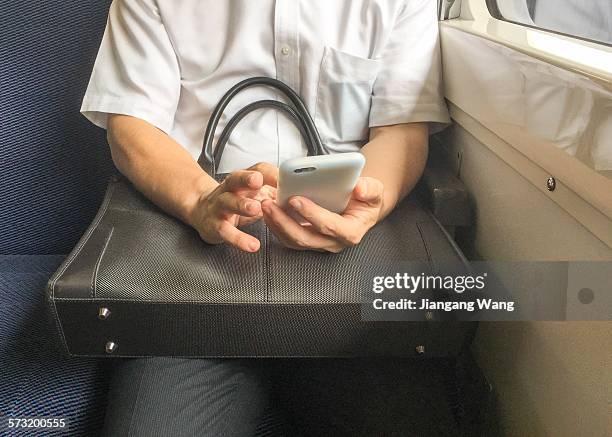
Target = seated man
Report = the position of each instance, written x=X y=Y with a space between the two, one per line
x=368 y=72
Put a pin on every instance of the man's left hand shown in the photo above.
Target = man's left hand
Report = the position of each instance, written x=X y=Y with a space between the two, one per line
x=324 y=230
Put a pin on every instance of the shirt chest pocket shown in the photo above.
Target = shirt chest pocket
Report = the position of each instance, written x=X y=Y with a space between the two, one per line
x=344 y=97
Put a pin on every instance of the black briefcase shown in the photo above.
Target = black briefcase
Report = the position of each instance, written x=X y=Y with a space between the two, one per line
x=141 y=283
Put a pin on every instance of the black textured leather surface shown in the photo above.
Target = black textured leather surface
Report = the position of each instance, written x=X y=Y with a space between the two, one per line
x=171 y=294
x=249 y=330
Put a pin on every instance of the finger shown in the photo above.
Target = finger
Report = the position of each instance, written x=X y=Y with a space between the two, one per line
x=266 y=192
x=242 y=180
x=369 y=190
x=243 y=241
x=323 y=220
x=292 y=233
x=230 y=203
x=284 y=240
x=245 y=221
x=268 y=171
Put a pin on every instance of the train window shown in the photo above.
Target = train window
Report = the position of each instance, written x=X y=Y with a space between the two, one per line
x=585 y=19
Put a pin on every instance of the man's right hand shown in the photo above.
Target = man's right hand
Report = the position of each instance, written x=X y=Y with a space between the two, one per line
x=235 y=202
x=168 y=175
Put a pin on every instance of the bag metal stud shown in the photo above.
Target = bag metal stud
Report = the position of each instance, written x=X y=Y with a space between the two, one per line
x=103 y=313
x=110 y=347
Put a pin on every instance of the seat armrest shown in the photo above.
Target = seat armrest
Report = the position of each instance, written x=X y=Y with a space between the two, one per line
x=446 y=197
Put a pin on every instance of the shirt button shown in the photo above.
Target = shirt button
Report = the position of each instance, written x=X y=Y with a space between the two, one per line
x=285 y=50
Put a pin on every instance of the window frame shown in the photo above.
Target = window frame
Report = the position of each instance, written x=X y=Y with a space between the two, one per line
x=476 y=19
x=496 y=13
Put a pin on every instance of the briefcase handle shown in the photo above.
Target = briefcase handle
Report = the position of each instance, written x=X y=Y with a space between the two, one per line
x=297 y=113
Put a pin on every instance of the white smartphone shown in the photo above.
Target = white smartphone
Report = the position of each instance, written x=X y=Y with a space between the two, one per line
x=327 y=180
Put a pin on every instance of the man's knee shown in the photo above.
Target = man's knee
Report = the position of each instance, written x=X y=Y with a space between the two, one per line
x=211 y=397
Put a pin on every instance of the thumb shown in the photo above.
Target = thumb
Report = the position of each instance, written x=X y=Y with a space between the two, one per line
x=369 y=190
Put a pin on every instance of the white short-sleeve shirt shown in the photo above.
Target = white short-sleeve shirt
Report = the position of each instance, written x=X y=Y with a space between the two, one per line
x=356 y=64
